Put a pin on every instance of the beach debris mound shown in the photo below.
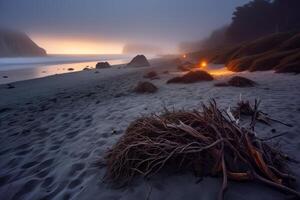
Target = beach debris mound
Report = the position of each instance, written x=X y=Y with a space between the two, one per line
x=139 y=61
x=86 y=68
x=102 y=65
x=207 y=142
x=192 y=77
x=10 y=86
x=237 y=81
x=151 y=75
x=145 y=87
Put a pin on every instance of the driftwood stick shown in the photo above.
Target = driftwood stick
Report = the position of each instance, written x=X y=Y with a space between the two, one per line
x=276 y=185
x=225 y=179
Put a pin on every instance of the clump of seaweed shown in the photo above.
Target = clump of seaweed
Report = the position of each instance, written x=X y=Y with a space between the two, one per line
x=151 y=75
x=145 y=87
x=237 y=81
x=207 y=142
x=192 y=77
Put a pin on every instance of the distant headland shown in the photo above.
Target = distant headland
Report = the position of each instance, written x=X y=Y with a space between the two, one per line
x=16 y=44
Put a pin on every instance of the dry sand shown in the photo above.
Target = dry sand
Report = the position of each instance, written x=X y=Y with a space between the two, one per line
x=54 y=132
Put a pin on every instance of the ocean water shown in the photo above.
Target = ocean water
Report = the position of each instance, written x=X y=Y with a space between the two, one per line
x=24 y=68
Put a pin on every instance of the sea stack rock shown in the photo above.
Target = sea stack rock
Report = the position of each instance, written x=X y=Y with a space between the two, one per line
x=139 y=61
x=15 y=44
x=102 y=65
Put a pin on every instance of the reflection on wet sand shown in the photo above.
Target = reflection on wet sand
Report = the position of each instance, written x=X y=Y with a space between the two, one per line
x=38 y=71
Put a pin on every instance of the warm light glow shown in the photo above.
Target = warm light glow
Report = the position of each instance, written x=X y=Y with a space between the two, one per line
x=77 y=46
x=203 y=64
x=220 y=72
x=184 y=56
x=217 y=72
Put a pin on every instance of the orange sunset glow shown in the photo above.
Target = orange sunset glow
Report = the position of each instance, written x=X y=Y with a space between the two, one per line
x=77 y=46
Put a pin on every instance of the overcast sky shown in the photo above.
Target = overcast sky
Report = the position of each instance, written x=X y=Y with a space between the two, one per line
x=160 y=22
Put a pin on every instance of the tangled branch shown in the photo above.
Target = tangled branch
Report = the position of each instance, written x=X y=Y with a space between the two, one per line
x=206 y=142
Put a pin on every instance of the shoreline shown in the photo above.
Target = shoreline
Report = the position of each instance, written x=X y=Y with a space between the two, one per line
x=60 y=59
x=42 y=72
x=30 y=71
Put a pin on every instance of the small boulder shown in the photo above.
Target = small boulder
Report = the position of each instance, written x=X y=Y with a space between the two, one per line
x=10 y=86
x=5 y=109
x=86 y=68
x=70 y=69
x=145 y=87
x=102 y=65
x=139 y=61
x=176 y=79
x=237 y=81
x=151 y=75
x=192 y=77
x=222 y=84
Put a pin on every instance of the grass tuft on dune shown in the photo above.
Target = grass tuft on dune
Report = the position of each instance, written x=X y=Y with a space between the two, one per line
x=262 y=54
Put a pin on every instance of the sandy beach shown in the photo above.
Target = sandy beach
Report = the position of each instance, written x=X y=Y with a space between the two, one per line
x=55 y=131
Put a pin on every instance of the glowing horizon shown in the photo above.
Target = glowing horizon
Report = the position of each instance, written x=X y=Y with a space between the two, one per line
x=76 y=46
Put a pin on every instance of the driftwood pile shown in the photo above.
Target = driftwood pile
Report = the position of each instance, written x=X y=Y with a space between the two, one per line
x=208 y=142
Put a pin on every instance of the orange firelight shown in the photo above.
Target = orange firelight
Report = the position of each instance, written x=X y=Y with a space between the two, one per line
x=203 y=64
x=184 y=56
